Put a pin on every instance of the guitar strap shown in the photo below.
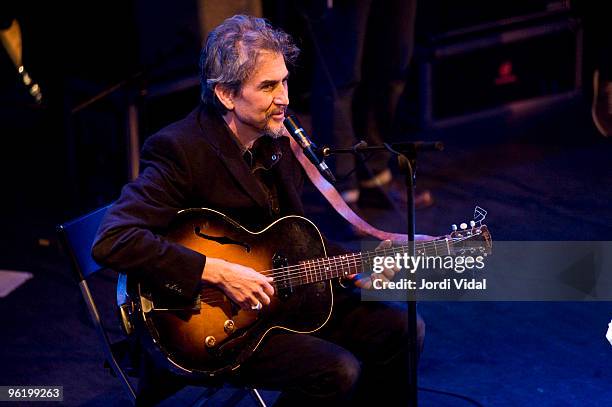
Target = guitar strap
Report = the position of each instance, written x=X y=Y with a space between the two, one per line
x=335 y=199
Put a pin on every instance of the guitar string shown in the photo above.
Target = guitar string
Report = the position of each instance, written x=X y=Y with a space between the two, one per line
x=369 y=255
x=340 y=263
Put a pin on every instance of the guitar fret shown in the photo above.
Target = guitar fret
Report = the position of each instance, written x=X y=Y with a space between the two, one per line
x=335 y=266
x=304 y=276
x=324 y=268
x=349 y=259
x=313 y=270
x=347 y=264
x=325 y=271
x=336 y=269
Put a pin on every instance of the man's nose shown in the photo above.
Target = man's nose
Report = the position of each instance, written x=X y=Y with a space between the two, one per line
x=281 y=98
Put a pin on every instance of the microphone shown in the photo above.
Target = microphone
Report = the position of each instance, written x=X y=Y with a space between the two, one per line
x=299 y=135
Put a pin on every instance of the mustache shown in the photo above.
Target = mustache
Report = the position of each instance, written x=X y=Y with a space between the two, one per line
x=277 y=111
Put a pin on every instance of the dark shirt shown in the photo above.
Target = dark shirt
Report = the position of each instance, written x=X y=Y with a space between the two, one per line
x=265 y=153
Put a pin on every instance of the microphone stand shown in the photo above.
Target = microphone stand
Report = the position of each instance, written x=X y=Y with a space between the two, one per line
x=406 y=154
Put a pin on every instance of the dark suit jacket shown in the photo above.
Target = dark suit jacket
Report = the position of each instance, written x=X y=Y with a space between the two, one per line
x=194 y=162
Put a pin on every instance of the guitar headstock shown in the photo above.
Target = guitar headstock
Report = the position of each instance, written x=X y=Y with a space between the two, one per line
x=473 y=239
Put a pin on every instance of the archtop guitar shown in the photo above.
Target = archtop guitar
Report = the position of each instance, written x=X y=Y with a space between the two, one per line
x=212 y=335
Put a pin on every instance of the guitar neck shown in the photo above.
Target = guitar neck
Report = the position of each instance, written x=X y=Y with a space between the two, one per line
x=316 y=270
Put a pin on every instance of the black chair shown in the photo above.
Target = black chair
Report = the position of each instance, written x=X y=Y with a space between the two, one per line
x=77 y=237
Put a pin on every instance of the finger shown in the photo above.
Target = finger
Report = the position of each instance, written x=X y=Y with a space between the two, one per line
x=379 y=277
x=263 y=297
x=384 y=279
x=385 y=244
x=363 y=283
x=268 y=288
x=252 y=302
x=388 y=273
x=247 y=305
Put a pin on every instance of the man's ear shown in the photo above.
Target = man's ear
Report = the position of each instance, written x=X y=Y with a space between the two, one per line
x=225 y=96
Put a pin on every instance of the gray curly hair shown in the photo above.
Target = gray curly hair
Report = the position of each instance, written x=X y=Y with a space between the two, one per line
x=231 y=52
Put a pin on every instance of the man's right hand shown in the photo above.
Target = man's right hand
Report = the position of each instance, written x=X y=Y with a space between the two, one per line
x=243 y=285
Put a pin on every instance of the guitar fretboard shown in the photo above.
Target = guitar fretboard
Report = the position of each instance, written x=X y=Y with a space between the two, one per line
x=313 y=271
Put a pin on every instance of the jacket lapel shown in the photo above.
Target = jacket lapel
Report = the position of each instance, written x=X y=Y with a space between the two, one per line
x=287 y=188
x=217 y=133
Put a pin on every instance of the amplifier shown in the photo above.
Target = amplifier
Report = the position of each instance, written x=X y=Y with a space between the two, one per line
x=440 y=18
x=499 y=69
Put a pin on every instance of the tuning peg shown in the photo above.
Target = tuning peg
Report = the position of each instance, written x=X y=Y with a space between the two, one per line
x=472 y=224
x=463 y=226
x=454 y=227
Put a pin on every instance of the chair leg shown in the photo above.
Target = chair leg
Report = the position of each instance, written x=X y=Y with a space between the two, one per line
x=258 y=399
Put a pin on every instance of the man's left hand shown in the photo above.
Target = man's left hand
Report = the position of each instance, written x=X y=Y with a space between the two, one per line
x=365 y=281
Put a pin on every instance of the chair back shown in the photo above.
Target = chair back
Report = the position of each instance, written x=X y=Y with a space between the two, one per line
x=77 y=237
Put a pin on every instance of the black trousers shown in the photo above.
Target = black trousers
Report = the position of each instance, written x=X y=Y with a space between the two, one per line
x=363 y=49
x=358 y=358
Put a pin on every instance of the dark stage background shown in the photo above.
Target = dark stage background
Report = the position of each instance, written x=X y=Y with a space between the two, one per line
x=528 y=153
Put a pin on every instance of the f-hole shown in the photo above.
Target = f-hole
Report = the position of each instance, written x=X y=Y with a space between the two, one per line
x=220 y=239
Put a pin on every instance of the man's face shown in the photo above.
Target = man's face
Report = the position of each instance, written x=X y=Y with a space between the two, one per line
x=260 y=106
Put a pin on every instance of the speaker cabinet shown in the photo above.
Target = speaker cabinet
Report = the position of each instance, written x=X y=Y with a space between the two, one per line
x=498 y=69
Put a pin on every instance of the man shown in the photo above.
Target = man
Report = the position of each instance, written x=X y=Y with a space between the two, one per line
x=356 y=94
x=231 y=155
